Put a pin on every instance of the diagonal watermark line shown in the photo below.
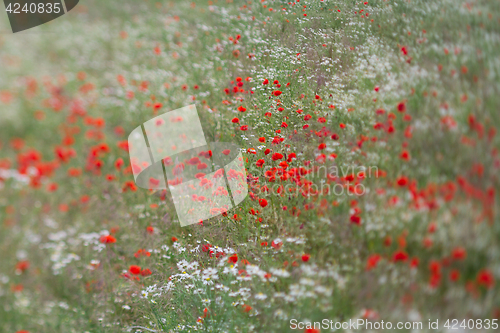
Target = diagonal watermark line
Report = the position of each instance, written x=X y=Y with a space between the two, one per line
x=147 y=144
x=64 y=6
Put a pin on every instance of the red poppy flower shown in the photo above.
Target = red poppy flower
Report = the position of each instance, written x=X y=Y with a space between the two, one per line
x=52 y=187
x=119 y=163
x=372 y=261
x=233 y=258
x=355 y=219
x=402 y=107
x=485 y=278
x=400 y=256
x=134 y=269
x=263 y=202
x=108 y=239
x=311 y=330
x=154 y=182
x=284 y=165
x=201 y=166
x=454 y=275
x=246 y=308
x=74 y=172
x=459 y=253
x=405 y=155
x=277 y=156
x=402 y=181
x=276 y=93
x=276 y=244
x=22 y=265
x=414 y=262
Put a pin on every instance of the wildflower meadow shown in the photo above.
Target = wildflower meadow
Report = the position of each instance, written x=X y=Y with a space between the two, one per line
x=367 y=134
